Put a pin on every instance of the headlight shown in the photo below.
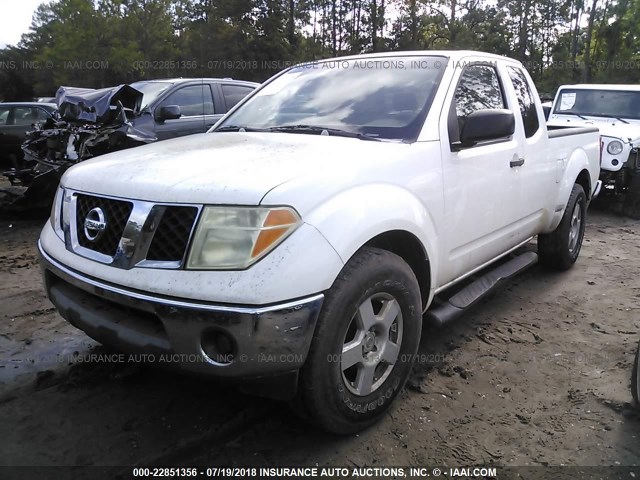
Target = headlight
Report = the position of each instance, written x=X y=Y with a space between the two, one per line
x=56 y=213
x=236 y=237
x=615 y=147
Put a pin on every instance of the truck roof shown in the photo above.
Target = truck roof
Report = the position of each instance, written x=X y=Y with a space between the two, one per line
x=603 y=86
x=455 y=55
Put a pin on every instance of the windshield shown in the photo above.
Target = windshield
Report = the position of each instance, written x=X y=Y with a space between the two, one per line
x=599 y=103
x=383 y=98
x=150 y=90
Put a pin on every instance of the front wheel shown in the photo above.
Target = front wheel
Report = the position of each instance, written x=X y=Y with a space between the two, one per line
x=635 y=378
x=366 y=337
x=559 y=249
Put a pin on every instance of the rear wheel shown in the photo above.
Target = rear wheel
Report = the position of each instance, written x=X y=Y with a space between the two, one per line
x=366 y=337
x=559 y=249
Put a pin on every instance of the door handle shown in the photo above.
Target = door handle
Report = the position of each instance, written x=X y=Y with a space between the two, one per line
x=516 y=163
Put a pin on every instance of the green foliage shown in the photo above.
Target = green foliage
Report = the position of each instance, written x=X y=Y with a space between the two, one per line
x=97 y=43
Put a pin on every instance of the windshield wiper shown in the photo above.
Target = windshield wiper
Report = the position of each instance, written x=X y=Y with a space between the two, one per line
x=576 y=114
x=237 y=128
x=593 y=115
x=329 y=131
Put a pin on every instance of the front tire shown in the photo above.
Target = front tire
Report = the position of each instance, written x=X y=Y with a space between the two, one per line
x=559 y=249
x=365 y=340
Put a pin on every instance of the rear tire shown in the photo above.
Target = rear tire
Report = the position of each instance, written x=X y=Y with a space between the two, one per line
x=363 y=347
x=559 y=249
x=635 y=378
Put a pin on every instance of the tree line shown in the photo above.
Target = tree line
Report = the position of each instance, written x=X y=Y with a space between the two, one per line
x=98 y=43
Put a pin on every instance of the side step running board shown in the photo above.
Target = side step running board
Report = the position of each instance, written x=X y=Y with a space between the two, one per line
x=447 y=310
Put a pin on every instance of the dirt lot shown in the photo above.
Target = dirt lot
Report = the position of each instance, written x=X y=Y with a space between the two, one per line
x=538 y=374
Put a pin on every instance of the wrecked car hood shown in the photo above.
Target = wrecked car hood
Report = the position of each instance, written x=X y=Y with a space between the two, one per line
x=105 y=105
x=88 y=123
x=225 y=168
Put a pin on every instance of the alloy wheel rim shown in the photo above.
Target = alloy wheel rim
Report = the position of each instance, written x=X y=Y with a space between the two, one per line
x=371 y=345
x=574 y=230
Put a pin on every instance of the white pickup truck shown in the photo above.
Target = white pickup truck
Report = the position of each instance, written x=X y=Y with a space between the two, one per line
x=615 y=110
x=299 y=242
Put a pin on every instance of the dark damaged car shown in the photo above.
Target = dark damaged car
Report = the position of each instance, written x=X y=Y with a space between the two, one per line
x=173 y=108
x=16 y=119
x=92 y=122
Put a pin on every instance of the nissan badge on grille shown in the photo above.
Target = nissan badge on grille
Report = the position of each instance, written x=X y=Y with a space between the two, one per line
x=94 y=224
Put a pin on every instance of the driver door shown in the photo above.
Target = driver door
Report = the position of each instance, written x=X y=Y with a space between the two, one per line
x=480 y=189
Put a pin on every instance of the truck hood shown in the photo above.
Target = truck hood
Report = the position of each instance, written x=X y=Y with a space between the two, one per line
x=222 y=168
x=609 y=127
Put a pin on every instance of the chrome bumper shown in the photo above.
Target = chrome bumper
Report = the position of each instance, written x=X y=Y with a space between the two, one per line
x=220 y=340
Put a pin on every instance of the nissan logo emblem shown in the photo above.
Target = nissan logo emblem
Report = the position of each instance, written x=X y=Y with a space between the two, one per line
x=94 y=224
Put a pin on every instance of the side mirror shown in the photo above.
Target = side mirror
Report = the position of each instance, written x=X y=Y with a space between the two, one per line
x=170 y=112
x=488 y=124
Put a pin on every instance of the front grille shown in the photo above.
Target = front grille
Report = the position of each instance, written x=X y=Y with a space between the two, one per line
x=116 y=215
x=170 y=241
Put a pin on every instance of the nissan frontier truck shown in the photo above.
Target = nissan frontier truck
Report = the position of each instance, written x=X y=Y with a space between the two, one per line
x=303 y=241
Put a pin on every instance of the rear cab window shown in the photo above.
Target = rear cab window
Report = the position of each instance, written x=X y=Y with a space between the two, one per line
x=526 y=101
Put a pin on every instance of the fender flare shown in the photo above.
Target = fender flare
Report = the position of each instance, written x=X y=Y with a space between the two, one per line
x=577 y=163
x=367 y=211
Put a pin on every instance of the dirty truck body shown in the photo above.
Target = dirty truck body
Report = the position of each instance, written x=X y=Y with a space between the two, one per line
x=305 y=235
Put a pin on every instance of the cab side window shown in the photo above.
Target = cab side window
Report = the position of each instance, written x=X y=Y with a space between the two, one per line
x=190 y=100
x=525 y=101
x=478 y=89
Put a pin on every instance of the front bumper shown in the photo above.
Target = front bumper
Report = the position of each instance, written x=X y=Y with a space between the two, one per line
x=219 y=340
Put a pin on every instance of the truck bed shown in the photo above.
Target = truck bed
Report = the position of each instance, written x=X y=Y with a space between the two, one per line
x=554 y=131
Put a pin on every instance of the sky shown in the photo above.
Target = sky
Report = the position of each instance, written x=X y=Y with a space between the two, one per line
x=15 y=19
